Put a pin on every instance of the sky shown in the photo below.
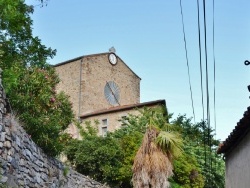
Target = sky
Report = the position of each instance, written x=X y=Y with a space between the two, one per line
x=148 y=37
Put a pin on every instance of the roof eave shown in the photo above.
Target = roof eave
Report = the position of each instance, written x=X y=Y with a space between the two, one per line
x=124 y=108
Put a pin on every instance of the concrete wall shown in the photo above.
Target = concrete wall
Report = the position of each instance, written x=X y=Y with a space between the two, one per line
x=96 y=72
x=23 y=163
x=238 y=165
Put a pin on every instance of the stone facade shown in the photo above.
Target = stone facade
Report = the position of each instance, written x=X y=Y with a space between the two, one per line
x=109 y=119
x=84 y=79
x=23 y=163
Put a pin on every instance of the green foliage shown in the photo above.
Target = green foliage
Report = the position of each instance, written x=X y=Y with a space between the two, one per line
x=196 y=152
x=18 y=43
x=4 y=186
x=65 y=171
x=44 y=114
x=129 y=144
x=97 y=157
x=29 y=81
x=170 y=142
x=187 y=172
x=91 y=153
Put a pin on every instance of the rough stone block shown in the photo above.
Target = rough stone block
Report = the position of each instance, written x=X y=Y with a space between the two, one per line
x=4 y=179
x=7 y=144
x=18 y=140
x=2 y=138
x=9 y=159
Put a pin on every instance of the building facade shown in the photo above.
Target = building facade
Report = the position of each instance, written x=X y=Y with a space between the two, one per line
x=109 y=119
x=100 y=83
x=236 y=150
x=94 y=83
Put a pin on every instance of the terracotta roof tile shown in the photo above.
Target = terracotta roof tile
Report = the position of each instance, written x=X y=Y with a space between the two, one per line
x=123 y=108
x=240 y=130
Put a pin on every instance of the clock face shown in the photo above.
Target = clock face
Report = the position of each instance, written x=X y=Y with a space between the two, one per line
x=112 y=59
x=112 y=93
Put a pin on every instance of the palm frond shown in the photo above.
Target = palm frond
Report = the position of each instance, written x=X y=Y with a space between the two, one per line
x=170 y=142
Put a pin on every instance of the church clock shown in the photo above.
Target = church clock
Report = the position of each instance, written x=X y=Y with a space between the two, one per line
x=112 y=58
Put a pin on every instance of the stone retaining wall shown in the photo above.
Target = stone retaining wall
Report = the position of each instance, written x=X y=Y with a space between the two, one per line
x=23 y=163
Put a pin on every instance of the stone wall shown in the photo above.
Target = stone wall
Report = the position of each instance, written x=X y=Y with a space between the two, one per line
x=23 y=163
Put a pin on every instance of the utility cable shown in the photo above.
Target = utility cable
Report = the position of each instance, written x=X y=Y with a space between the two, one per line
x=214 y=77
x=207 y=89
x=184 y=37
x=215 y=126
x=202 y=93
x=201 y=75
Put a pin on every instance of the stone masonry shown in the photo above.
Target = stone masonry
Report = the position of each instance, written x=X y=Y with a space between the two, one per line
x=24 y=164
x=84 y=79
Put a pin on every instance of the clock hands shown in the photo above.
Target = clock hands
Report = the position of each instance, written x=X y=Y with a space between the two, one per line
x=114 y=93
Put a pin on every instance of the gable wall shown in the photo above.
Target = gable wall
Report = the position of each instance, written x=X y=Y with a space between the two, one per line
x=96 y=71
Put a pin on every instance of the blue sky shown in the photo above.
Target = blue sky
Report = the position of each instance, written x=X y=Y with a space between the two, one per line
x=148 y=36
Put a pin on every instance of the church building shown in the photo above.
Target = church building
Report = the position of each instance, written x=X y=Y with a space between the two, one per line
x=101 y=87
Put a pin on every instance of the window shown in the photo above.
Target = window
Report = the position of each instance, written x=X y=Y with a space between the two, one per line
x=104 y=131
x=124 y=120
x=104 y=127
x=104 y=122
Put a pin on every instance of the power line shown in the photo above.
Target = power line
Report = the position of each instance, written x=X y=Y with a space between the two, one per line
x=207 y=90
x=201 y=75
x=214 y=75
x=201 y=79
x=215 y=126
x=184 y=37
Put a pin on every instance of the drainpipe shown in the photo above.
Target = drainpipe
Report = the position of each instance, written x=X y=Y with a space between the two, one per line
x=80 y=93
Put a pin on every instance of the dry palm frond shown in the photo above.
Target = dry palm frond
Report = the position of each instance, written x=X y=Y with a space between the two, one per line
x=152 y=166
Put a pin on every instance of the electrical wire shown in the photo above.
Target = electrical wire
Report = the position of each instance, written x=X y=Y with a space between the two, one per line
x=215 y=123
x=184 y=37
x=201 y=75
x=201 y=81
x=207 y=90
x=215 y=126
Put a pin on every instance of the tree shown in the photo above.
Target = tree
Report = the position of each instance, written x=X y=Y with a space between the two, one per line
x=196 y=137
x=18 y=43
x=43 y=113
x=188 y=169
x=153 y=162
x=29 y=81
x=95 y=156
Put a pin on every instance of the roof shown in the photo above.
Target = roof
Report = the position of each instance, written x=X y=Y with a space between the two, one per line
x=124 y=108
x=239 y=132
x=92 y=55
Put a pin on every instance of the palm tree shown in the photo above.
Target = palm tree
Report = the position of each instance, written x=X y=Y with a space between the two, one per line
x=153 y=163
